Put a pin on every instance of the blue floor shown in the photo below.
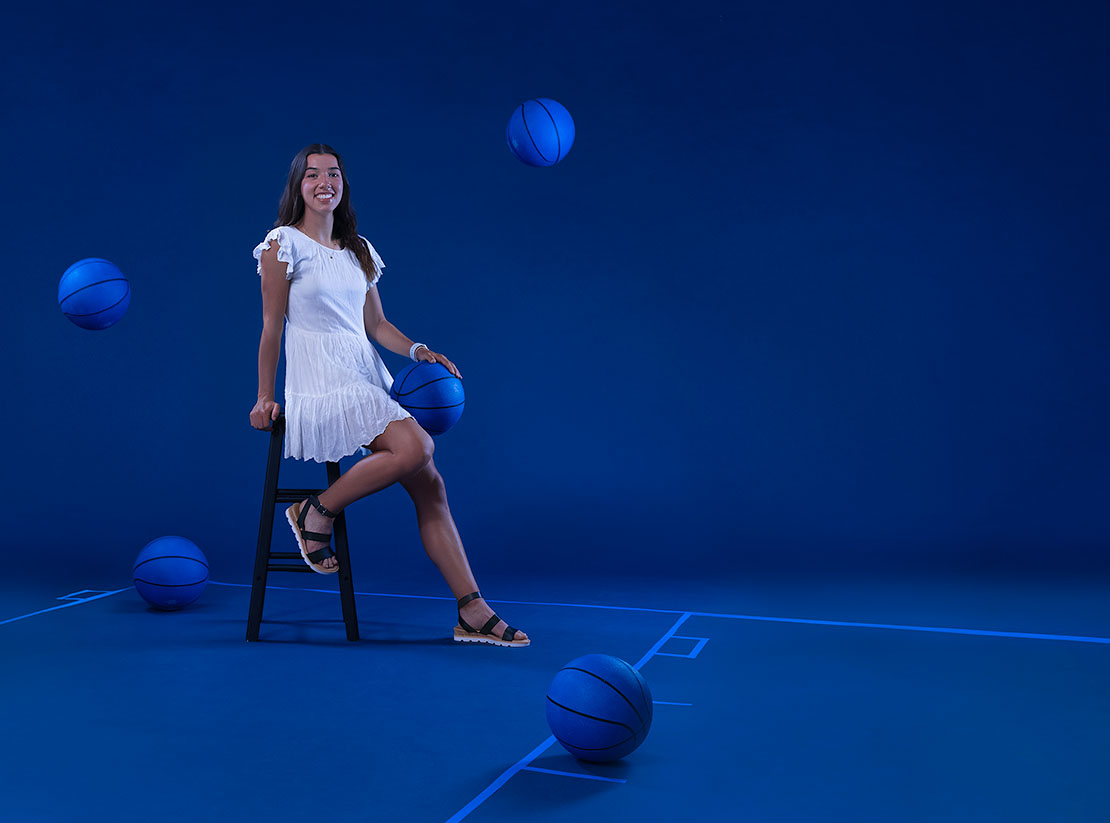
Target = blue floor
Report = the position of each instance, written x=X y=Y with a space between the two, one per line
x=776 y=700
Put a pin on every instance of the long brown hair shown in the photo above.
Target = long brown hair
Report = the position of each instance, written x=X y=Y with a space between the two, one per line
x=345 y=227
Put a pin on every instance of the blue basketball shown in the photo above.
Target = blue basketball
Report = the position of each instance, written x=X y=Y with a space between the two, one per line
x=93 y=293
x=170 y=572
x=540 y=132
x=431 y=394
x=599 y=708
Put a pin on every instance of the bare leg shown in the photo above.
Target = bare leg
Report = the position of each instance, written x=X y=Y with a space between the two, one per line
x=398 y=451
x=443 y=545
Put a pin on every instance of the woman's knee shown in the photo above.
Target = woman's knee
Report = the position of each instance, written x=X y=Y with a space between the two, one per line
x=421 y=451
x=411 y=445
x=425 y=481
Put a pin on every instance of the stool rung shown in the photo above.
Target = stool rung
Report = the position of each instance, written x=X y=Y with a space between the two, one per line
x=301 y=568
x=285 y=556
x=295 y=495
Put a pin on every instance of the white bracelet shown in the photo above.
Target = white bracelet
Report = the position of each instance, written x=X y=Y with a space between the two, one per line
x=415 y=346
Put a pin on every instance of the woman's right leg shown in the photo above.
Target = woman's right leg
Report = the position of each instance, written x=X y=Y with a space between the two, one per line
x=397 y=452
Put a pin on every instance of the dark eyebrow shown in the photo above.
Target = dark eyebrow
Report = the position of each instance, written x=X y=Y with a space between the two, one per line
x=331 y=168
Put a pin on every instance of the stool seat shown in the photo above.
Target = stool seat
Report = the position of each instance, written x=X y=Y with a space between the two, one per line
x=264 y=556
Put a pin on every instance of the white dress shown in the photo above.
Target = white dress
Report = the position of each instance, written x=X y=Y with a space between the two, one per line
x=336 y=385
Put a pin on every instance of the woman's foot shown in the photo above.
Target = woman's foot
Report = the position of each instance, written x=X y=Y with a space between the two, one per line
x=316 y=522
x=474 y=615
x=312 y=528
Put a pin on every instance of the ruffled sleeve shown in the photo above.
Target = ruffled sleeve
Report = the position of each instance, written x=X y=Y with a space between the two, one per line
x=285 y=249
x=378 y=263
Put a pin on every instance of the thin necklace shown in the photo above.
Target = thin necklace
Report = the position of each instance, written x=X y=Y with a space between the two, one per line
x=313 y=239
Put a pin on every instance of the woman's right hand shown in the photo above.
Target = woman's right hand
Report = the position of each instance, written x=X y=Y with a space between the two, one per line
x=264 y=413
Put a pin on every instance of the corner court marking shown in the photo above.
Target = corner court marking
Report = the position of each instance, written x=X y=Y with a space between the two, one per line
x=698 y=646
x=73 y=601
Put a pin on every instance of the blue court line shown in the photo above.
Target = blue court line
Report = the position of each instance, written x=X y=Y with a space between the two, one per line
x=573 y=774
x=805 y=621
x=63 y=606
x=759 y=618
x=659 y=643
x=665 y=703
x=690 y=655
x=500 y=781
x=82 y=595
x=937 y=629
x=532 y=755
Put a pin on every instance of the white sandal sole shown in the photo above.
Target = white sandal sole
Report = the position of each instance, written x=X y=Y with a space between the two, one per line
x=463 y=636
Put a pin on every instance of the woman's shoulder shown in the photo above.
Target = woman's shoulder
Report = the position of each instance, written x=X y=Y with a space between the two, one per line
x=285 y=236
x=286 y=239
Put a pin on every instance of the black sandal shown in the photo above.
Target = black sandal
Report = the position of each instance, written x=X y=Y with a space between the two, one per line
x=295 y=514
x=465 y=633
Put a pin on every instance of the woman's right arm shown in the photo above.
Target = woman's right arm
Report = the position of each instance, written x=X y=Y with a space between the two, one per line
x=275 y=298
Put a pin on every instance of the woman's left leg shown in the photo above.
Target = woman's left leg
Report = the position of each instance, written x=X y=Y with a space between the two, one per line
x=443 y=545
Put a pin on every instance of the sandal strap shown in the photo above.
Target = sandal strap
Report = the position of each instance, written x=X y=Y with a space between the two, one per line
x=315 y=501
x=316 y=537
x=321 y=554
x=487 y=629
x=467 y=598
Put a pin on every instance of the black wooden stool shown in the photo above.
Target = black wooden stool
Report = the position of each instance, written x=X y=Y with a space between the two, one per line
x=271 y=496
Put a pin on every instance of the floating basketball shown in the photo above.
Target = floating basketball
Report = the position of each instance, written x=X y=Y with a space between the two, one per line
x=431 y=394
x=93 y=293
x=599 y=708
x=170 y=572
x=540 y=132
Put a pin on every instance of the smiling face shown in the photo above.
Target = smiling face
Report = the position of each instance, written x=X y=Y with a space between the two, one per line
x=321 y=179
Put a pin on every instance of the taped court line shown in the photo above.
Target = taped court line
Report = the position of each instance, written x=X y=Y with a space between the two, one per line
x=693 y=653
x=540 y=749
x=72 y=602
x=573 y=774
x=758 y=618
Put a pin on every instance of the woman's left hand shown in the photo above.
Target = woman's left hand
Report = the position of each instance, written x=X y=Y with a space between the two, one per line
x=430 y=356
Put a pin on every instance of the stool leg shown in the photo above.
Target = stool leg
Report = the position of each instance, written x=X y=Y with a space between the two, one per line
x=343 y=557
x=265 y=528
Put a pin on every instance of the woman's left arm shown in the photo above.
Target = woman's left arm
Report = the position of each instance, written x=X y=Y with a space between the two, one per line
x=384 y=333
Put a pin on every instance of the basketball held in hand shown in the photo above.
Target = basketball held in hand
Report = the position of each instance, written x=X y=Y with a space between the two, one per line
x=431 y=394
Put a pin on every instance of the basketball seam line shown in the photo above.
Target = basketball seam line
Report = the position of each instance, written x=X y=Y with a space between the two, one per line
x=90 y=285
x=169 y=585
x=632 y=732
x=405 y=380
x=558 y=136
x=524 y=119
x=588 y=749
x=171 y=557
x=410 y=406
x=610 y=685
x=422 y=385
x=126 y=294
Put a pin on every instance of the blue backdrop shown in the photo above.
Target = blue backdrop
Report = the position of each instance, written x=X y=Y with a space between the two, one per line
x=820 y=286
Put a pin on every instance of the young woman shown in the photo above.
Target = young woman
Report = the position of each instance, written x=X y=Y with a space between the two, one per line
x=319 y=280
